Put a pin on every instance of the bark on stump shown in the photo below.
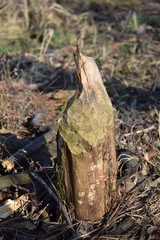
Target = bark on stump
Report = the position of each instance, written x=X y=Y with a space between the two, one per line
x=87 y=171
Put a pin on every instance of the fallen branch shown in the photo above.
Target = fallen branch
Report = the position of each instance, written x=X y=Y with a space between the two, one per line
x=20 y=155
x=14 y=179
x=21 y=178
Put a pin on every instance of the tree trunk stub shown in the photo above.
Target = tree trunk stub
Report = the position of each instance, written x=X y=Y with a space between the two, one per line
x=86 y=143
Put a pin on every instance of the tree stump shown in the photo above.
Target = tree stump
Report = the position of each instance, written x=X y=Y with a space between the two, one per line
x=87 y=171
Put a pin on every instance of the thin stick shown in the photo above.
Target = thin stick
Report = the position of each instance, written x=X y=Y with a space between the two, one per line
x=54 y=196
x=140 y=131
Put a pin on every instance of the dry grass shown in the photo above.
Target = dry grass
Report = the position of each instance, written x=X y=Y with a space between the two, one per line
x=27 y=24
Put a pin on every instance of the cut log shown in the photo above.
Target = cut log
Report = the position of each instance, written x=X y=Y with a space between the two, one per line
x=87 y=166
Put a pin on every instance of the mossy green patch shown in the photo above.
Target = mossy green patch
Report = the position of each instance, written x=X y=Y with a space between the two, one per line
x=125 y=47
x=60 y=176
x=121 y=3
x=83 y=124
x=145 y=18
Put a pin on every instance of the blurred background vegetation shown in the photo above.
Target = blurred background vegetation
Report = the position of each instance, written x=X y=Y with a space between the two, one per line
x=41 y=25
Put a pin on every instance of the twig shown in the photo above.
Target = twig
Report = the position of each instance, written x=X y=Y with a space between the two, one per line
x=140 y=131
x=55 y=197
x=21 y=154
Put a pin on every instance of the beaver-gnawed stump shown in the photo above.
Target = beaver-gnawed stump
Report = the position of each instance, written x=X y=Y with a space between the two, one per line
x=87 y=166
